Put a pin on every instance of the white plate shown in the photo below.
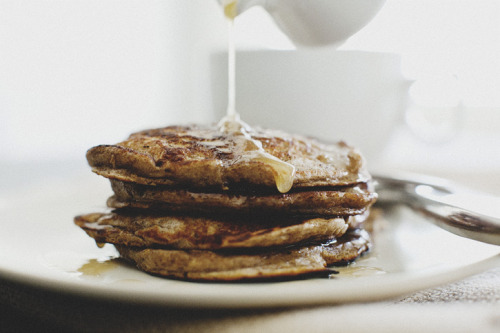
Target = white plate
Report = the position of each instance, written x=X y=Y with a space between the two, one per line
x=40 y=246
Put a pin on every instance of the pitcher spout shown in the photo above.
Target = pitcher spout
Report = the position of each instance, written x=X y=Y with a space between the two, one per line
x=312 y=22
x=233 y=8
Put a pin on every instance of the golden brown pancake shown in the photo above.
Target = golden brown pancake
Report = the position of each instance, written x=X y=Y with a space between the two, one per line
x=139 y=229
x=204 y=156
x=204 y=203
x=344 y=201
x=227 y=266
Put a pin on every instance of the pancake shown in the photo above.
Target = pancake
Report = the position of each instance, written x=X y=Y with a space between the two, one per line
x=341 y=201
x=227 y=202
x=204 y=156
x=186 y=232
x=227 y=266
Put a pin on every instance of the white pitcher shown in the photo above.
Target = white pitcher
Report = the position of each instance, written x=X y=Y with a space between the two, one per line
x=315 y=22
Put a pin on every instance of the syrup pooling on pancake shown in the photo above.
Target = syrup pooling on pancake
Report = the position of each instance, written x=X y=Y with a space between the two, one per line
x=251 y=149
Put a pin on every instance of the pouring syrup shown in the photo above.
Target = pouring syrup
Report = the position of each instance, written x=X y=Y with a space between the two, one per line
x=231 y=124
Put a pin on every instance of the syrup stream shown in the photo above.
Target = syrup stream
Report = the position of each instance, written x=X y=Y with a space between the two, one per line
x=245 y=145
x=231 y=70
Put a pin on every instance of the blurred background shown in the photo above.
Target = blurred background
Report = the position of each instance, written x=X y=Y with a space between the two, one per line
x=78 y=73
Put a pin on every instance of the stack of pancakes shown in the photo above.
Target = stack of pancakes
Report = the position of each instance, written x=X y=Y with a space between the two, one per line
x=188 y=203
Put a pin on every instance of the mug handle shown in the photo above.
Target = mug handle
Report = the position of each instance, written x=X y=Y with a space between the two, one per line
x=435 y=111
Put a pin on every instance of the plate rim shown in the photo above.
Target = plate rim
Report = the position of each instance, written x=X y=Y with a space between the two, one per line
x=213 y=299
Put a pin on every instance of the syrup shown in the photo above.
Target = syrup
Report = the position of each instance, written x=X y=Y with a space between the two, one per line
x=95 y=267
x=353 y=270
x=231 y=64
x=230 y=9
x=246 y=146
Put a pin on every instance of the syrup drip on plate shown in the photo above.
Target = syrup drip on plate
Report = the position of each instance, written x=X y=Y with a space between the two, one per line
x=95 y=267
x=246 y=146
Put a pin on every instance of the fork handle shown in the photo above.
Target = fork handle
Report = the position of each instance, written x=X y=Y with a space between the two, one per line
x=459 y=210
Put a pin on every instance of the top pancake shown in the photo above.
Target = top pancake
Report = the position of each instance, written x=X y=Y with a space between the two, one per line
x=204 y=156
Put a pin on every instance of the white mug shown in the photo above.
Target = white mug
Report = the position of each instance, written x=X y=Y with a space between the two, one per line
x=315 y=22
x=358 y=97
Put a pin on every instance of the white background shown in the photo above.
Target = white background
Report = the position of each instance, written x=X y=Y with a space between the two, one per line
x=76 y=73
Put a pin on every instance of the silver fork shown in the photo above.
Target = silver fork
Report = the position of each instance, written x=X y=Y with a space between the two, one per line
x=456 y=209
